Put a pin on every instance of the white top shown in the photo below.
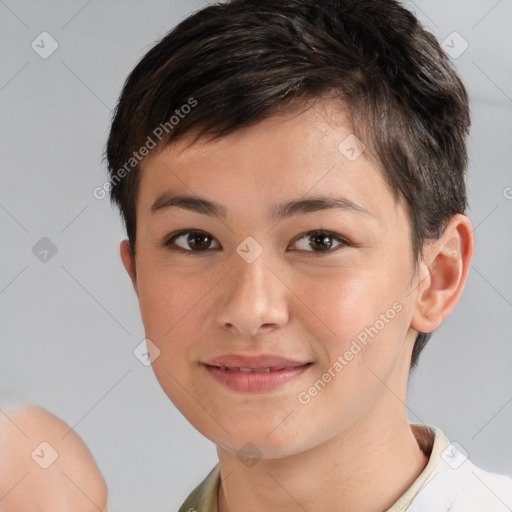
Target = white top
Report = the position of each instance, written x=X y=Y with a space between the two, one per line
x=455 y=484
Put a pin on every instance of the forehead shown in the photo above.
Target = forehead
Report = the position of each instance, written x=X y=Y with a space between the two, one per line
x=302 y=152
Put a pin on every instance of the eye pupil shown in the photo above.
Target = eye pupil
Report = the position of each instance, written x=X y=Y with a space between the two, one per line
x=322 y=241
x=198 y=241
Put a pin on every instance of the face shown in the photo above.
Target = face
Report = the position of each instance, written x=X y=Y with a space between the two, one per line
x=278 y=294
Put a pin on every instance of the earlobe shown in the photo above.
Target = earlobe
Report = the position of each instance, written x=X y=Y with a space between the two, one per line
x=129 y=262
x=444 y=274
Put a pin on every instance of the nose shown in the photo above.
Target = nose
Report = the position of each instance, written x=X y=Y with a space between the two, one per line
x=254 y=299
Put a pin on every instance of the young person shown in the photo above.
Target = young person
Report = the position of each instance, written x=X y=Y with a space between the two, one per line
x=291 y=178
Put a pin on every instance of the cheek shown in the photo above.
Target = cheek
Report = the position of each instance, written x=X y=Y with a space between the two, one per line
x=169 y=305
x=176 y=312
x=363 y=323
x=167 y=299
x=339 y=307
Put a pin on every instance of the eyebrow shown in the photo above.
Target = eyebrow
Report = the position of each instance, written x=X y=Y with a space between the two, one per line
x=213 y=209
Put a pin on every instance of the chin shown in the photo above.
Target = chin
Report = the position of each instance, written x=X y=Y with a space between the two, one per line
x=265 y=442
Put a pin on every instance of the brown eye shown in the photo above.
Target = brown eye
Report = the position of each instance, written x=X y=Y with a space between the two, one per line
x=320 y=241
x=314 y=242
x=198 y=241
x=191 y=241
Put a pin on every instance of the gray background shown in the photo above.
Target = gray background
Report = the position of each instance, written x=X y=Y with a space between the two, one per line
x=69 y=325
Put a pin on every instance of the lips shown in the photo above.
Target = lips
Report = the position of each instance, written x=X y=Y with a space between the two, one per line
x=255 y=370
x=255 y=373
x=263 y=363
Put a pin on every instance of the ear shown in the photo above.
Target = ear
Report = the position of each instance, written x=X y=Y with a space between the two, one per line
x=443 y=274
x=129 y=263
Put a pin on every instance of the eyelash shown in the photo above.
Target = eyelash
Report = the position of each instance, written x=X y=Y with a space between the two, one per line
x=169 y=242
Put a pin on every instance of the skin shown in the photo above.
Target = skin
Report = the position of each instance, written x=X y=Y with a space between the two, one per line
x=351 y=447
x=72 y=482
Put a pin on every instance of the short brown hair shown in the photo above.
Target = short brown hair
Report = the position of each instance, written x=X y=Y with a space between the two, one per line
x=238 y=62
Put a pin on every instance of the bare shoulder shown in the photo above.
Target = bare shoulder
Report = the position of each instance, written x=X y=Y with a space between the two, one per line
x=46 y=466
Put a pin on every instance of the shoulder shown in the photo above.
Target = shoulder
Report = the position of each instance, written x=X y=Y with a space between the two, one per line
x=483 y=491
x=456 y=484
x=45 y=465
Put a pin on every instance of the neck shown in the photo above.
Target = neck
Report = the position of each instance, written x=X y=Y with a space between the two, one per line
x=367 y=468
